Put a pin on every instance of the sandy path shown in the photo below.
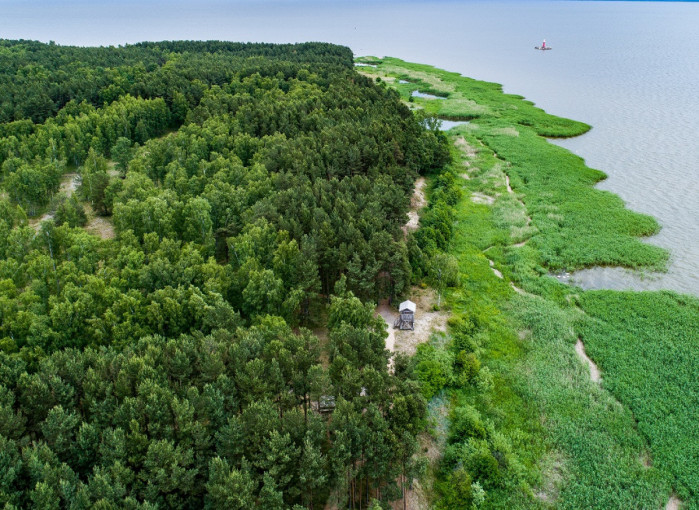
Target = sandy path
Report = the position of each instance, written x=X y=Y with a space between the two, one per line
x=69 y=183
x=467 y=148
x=492 y=266
x=595 y=374
x=389 y=316
x=519 y=291
x=417 y=202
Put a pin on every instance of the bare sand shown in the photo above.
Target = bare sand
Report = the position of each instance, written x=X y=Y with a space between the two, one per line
x=69 y=183
x=518 y=290
x=417 y=202
x=101 y=227
x=673 y=503
x=492 y=266
x=427 y=321
x=389 y=316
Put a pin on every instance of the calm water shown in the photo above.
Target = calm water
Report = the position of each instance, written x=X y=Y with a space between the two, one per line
x=630 y=69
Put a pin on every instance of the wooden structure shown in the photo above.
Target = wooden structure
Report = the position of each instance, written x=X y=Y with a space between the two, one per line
x=326 y=403
x=406 y=319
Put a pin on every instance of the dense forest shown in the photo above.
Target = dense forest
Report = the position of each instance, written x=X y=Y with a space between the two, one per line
x=252 y=191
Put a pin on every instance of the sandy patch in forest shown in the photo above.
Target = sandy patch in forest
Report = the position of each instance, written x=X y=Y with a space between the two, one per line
x=415 y=498
x=36 y=224
x=101 y=227
x=595 y=374
x=427 y=321
x=69 y=184
x=389 y=315
x=324 y=341
x=417 y=202
x=98 y=225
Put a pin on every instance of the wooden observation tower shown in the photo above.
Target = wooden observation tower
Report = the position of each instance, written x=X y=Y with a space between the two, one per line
x=406 y=319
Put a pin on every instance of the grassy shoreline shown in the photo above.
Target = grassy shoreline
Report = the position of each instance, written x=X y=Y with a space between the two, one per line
x=528 y=208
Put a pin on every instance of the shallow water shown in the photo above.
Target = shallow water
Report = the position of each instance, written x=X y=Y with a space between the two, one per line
x=628 y=68
x=425 y=95
x=616 y=278
x=448 y=124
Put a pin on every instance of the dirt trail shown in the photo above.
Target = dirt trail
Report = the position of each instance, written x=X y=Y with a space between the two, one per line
x=427 y=321
x=417 y=202
x=389 y=316
x=467 y=148
x=595 y=374
x=470 y=153
x=520 y=291
x=492 y=266
x=511 y=192
x=69 y=183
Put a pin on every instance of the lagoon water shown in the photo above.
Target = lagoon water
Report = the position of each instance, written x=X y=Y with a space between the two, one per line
x=630 y=69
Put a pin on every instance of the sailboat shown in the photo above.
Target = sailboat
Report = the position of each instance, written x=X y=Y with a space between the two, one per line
x=543 y=46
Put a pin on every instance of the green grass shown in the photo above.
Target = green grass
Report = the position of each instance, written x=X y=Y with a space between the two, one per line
x=555 y=185
x=647 y=346
x=469 y=98
x=556 y=188
x=600 y=449
x=569 y=442
x=578 y=446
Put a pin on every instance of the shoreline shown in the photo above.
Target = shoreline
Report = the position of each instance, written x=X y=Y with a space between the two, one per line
x=517 y=206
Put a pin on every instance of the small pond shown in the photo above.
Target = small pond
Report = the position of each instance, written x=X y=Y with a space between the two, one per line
x=448 y=124
x=424 y=95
